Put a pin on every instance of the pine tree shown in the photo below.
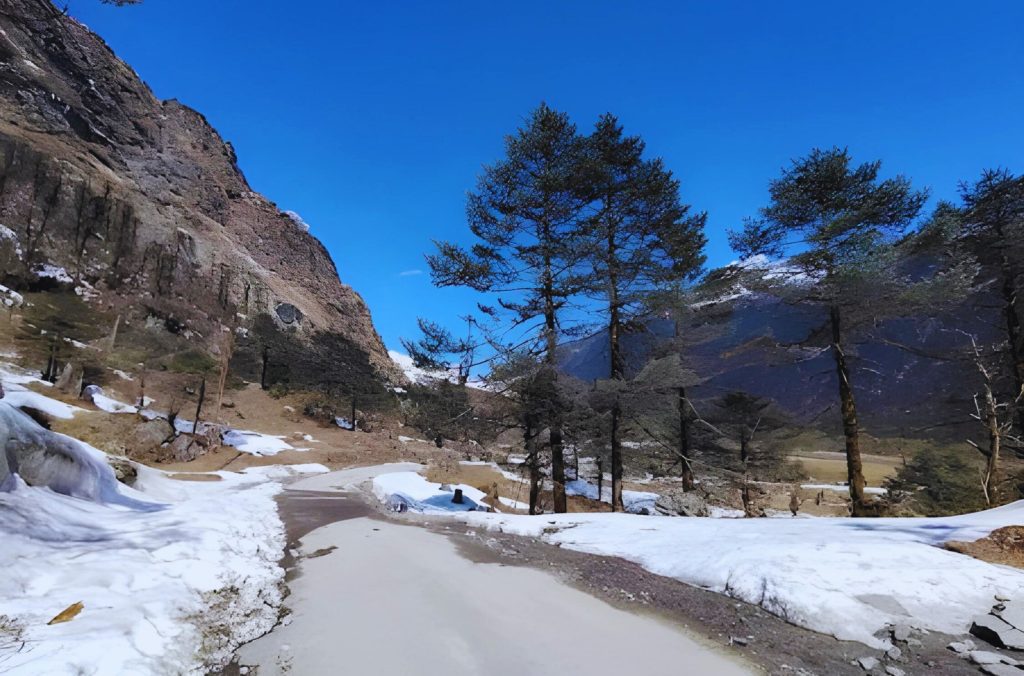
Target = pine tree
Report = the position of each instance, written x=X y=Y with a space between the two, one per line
x=640 y=239
x=840 y=221
x=993 y=231
x=525 y=215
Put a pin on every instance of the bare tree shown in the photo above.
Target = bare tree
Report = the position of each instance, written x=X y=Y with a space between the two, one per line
x=996 y=416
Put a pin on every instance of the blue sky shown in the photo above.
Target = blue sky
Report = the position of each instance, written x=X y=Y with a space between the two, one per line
x=372 y=119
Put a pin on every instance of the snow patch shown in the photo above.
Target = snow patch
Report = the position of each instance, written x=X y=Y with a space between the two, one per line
x=171 y=591
x=847 y=577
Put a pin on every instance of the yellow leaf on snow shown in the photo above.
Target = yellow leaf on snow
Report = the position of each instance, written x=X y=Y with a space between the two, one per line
x=68 y=614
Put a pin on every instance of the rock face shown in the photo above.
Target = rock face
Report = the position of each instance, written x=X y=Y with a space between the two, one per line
x=103 y=185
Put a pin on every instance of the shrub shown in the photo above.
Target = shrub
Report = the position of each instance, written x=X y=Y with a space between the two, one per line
x=938 y=483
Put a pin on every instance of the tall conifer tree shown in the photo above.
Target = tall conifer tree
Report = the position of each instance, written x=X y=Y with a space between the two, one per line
x=639 y=240
x=838 y=220
x=525 y=214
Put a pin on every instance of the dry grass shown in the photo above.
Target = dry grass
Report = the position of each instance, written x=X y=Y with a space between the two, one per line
x=1003 y=546
x=830 y=467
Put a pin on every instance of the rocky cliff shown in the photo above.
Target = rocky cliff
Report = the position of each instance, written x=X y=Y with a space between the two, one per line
x=140 y=205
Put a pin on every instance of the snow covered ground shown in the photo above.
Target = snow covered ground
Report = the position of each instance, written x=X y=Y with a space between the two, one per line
x=166 y=589
x=163 y=591
x=424 y=496
x=840 y=576
x=633 y=501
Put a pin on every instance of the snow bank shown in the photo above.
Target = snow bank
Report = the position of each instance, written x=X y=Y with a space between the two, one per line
x=842 y=488
x=255 y=443
x=634 y=501
x=163 y=592
x=840 y=576
x=424 y=496
x=17 y=395
x=349 y=479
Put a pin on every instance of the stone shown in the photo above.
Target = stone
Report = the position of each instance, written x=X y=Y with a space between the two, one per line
x=894 y=653
x=1001 y=670
x=867 y=663
x=894 y=671
x=901 y=632
x=678 y=502
x=1001 y=634
x=125 y=471
x=181 y=449
x=739 y=640
x=961 y=647
x=288 y=313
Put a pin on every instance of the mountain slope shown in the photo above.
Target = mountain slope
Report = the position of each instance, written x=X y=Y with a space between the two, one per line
x=143 y=205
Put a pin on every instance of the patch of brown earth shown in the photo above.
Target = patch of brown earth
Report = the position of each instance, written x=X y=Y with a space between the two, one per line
x=1004 y=546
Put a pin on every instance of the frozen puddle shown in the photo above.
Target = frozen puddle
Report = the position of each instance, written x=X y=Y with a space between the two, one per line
x=395 y=599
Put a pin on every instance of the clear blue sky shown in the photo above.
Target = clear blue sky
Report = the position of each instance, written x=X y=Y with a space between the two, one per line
x=372 y=119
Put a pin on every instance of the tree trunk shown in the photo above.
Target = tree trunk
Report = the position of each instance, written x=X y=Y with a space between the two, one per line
x=554 y=427
x=617 y=372
x=851 y=429
x=991 y=482
x=686 y=470
x=617 y=504
x=532 y=464
x=600 y=478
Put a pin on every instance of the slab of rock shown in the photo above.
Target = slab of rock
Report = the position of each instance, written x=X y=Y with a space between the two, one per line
x=1001 y=670
x=997 y=632
x=985 y=657
x=894 y=671
x=867 y=663
x=901 y=632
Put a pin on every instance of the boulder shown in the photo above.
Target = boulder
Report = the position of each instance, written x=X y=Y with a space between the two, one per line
x=1001 y=634
x=681 y=503
x=901 y=632
x=184 y=448
x=125 y=471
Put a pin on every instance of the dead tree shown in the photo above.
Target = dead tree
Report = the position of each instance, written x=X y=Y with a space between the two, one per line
x=997 y=418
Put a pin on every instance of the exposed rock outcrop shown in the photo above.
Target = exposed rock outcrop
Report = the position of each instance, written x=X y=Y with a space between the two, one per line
x=105 y=186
